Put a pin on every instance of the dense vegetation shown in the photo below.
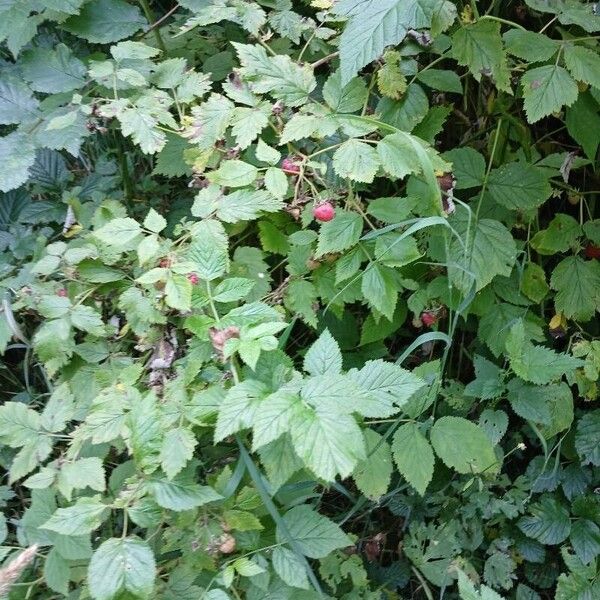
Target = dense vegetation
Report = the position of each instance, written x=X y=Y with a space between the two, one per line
x=299 y=299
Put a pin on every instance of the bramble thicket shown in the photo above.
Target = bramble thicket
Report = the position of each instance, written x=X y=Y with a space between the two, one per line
x=299 y=299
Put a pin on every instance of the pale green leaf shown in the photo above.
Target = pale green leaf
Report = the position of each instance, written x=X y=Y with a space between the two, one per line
x=340 y=233
x=324 y=356
x=177 y=449
x=315 y=535
x=413 y=456
x=373 y=474
x=122 y=565
x=84 y=516
x=17 y=155
x=356 y=160
x=329 y=442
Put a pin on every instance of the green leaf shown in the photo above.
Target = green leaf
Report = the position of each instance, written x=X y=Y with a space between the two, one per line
x=289 y=568
x=586 y=438
x=519 y=186
x=276 y=182
x=17 y=155
x=388 y=386
x=380 y=289
x=549 y=521
x=585 y=539
x=211 y=120
x=266 y=153
x=16 y=102
x=57 y=572
x=374 y=25
x=397 y=155
x=52 y=71
x=467 y=590
x=324 y=356
x=18 y=424
x=488 y=381
x=561 y=235
x=356 y=160
x=178 y=292
x=463 y=446
x=339 y=234
x=209 y=249
x=237 y=410
x=80 y=474
x=122 y=565
x=413 y=456
x=468 y=167
x=373 y=474
x=529 y=45
x=536 y=364
x=314 y=534
x=118 y=232
x=232 y=289
x=177 y=449
x=154 y=222
x=583 y=123
x=492 y=252
x=233 y=173
x=344 y=98
x=329 y=442
x=245 y=205
x=169 y=161
x=277 y=75
x=406 y=113
x=584 y=64
x=87 y=319
x=84 y=516
x=142 y=126
x=105 y=21
x=440 y=79
x=391 y=81
x=181 y=493
x=478 y=46
x=546 y=90
x=577 y=285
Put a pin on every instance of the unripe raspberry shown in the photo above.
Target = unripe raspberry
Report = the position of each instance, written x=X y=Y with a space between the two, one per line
x=290 y=166
x=428 y=318
x=592 y=251
x=193 y=278
x=324 y=212
x=62 y=293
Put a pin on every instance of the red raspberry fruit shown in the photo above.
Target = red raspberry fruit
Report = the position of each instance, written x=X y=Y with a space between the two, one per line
x=592 y=251
x=193 y=278
x=62 y=293
x=428 y=318
x=290 y=166
x=324 y=212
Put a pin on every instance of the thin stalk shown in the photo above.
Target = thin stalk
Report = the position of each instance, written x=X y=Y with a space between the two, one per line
x=151 y=19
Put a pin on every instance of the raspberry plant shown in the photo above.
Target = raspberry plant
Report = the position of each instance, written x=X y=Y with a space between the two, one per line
x=299 y=299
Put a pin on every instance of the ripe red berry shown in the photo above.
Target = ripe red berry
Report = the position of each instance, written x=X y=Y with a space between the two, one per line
x=290 y=166
x=193 y=278
x=592 y=251
x=429 y=318
x=62 y=293
x=324 y=211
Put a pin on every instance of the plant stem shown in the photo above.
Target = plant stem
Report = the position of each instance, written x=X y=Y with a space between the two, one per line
x=151 y=18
